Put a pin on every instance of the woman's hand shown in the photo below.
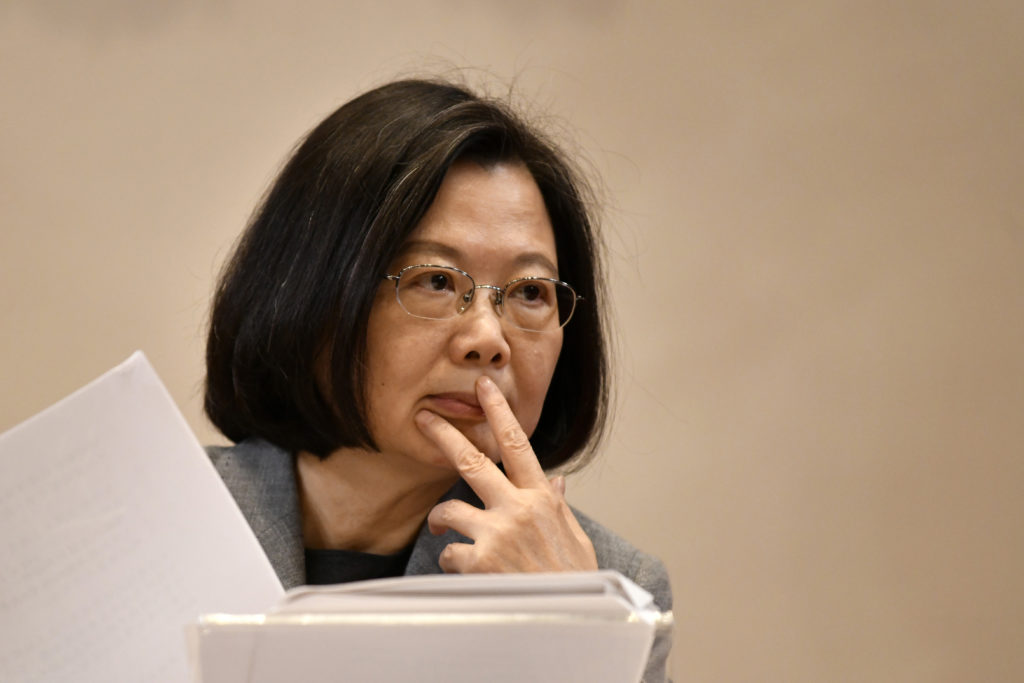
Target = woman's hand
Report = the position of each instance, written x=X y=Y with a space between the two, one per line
x=527 y=526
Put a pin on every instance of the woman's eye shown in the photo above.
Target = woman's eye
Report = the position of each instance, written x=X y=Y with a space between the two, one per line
x=429 y=281
x=530 y=293
x=440 y=282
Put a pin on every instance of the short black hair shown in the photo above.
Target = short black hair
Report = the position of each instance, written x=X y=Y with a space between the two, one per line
x=293 y=300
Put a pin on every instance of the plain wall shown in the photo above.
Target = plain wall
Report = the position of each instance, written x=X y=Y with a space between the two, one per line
x=816 y=246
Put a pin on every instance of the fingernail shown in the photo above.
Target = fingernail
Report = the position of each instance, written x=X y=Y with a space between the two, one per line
x=425 y=417
x=486 y=383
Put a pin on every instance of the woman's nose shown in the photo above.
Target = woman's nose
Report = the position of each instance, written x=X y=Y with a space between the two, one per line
x=479 y=337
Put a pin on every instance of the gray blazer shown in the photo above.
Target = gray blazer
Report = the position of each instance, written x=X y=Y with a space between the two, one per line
x=261 y=477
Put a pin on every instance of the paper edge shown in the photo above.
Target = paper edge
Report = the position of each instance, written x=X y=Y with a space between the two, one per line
x=133 y=363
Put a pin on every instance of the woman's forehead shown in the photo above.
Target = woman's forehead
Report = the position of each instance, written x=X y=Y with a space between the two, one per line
x=486 y=213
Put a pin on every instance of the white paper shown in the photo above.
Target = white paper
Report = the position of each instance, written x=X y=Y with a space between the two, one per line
x=116 y=532
x=541 y=628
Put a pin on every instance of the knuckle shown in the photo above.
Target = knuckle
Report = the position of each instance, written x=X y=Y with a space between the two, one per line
x=523 y=516
x=534 y=506
x=459 y=558
x=515 y=438
x=449 y=558
x=442 y=513
x=470 y=460
x=445 y=559
x=478 y=559
x=526 y=512
x=488 y=566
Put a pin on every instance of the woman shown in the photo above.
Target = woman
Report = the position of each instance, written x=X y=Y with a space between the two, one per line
x=406 y=337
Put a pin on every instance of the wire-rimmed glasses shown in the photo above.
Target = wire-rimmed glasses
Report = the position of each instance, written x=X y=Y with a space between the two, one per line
x=537 y=304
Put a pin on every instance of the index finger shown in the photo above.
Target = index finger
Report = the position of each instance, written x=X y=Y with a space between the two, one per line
x=479 y=471
x=521 y=463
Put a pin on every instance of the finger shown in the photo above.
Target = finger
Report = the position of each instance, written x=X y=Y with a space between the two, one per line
x=456 y=515
x=517 y=454
x=457 y=558
x=558 y=485
x=479 y=471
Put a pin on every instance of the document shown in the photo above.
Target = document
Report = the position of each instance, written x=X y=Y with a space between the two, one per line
x=116 y=532
x=542 y=628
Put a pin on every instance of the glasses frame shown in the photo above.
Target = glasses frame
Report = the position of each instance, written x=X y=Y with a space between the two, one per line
x=498 y=299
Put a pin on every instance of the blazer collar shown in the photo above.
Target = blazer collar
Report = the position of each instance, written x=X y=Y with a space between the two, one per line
x=427 y=548
x=263 y=480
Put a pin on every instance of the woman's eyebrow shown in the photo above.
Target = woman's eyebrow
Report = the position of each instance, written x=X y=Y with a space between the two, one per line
x=535 y=258
x=432 y=248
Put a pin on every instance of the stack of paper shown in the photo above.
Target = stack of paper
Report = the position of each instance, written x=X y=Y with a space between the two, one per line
x=116 y=533
x=595 y=626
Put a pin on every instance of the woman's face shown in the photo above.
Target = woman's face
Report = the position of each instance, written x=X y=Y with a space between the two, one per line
x=491 y=223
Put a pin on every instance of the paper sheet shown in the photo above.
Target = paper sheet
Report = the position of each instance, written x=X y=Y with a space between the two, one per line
x=116 y=532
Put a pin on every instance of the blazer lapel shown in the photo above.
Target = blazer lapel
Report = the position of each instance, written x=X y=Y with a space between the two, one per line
x=428 y=547
x=261 y=477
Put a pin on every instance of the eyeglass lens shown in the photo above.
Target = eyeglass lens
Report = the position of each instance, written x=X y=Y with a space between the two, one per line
x=438 y=292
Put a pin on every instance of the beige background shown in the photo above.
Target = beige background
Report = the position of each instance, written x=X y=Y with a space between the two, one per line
x=817 y=245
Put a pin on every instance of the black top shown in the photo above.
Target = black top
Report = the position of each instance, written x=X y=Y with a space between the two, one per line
x=342 y=566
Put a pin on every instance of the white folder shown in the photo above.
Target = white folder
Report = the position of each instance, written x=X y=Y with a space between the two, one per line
x=566 y=627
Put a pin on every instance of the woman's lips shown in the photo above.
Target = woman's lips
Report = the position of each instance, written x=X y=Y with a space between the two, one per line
x=456 y=405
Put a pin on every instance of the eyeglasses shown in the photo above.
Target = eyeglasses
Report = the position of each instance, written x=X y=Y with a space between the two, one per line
x=538 y=304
